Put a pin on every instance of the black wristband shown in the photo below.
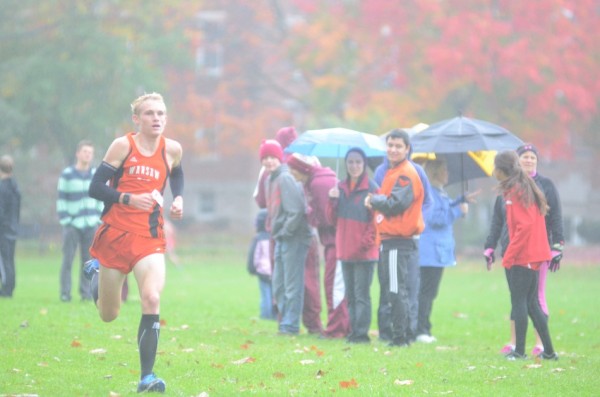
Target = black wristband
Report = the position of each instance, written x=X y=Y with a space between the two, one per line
x=126 y=198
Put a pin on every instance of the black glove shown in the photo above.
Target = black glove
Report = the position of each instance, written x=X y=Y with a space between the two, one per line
x=488 y=254
x=557 y=254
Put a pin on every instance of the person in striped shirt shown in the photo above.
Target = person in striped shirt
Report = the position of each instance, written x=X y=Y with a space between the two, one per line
x=79 y=216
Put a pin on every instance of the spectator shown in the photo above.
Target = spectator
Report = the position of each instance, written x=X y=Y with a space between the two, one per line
x=79 y=216
x=527 y=249
x=317 y=182
x=288 y=226
x=10 y=210
x=399 y=220
x=356 y=243
x=259 y=264
x=436 y=244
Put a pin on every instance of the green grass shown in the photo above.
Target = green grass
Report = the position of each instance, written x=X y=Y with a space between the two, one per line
x=210 y=304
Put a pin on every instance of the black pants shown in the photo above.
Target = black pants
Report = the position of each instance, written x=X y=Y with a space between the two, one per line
x=523 y=285
x=396 y=259
x=429 y=287
x=7 y=266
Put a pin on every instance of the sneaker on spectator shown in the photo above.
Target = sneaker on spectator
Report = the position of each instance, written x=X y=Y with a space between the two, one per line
x=514 y=356
x=545 y=356
x=424 y=338
x=537 y=350
x=507 y=349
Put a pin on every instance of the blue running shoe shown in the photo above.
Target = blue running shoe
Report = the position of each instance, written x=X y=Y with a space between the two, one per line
x=90 y=271
x=150 y=383
x=90 y=268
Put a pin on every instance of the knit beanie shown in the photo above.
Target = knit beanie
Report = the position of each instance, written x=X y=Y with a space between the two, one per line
x=300 y=163
x=270 y=147
x=527 y=147
x=285 y=136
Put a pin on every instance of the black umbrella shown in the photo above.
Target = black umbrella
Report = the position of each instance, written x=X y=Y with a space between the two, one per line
x=461 y=140
x=462 y=135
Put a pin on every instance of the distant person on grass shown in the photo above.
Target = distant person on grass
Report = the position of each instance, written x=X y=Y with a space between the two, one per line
x=317 y=182
x=436 y=244
x=132 y=238
x=259 y=265
x=527 y=250
x=399 y=219
x=356 y=242
x=528 y=158
x=79 y=216
x=10 y=211
x=288 y=225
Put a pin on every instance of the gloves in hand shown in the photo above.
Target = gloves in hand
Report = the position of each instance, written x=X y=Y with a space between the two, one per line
x=557 y=254
x=488 y=254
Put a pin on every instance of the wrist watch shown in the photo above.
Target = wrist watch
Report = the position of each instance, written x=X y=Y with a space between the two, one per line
x=126 y=198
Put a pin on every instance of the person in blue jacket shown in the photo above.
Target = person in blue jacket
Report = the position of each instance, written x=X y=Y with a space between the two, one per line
x=436 y=246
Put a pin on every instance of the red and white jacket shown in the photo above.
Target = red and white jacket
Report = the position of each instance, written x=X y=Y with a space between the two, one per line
x=528 y=244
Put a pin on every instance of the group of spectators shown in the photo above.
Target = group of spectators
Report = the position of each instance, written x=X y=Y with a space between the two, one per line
x=399 y=222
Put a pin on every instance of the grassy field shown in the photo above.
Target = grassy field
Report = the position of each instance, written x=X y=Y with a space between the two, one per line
x=213 y=344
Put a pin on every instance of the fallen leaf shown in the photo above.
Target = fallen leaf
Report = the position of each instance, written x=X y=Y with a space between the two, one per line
x=43 y=311
x=533 y=366
x=319 y=353
x=75 y=343
x=278 y=375
x=418 y=365
x=445 y=348
x=108 y=376
x=24 y=324
x=185 y=326
x=349 y=384
x=163 y=322
x=98 y=351
x=117 y=337
x=113 y=394
x=244 y=360
x=383 y=371
x=244 y=346
x=406 y=382
x=460 y=315
x=42 y=364
x=307 y=362
x=320 y=373
x=216 y=365
x=188 y=350
x=203 y=394
x=558 y=370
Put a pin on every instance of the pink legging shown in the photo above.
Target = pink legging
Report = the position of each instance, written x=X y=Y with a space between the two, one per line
x=543 y=272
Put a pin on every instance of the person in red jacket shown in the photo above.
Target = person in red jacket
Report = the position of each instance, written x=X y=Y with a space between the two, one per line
x=317 y=182
x=527 y=249
x=356 y=241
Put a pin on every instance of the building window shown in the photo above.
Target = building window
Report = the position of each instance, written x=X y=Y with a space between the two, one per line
x=209 y=60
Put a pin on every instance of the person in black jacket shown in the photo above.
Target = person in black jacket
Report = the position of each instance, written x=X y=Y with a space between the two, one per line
x=10 y=209
x=528 y=157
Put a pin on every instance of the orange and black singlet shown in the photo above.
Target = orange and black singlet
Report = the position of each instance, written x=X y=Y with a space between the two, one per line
x=139 y=174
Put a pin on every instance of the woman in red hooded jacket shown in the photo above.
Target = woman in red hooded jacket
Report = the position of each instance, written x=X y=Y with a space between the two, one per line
x=527 y=249
x=357 y=245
